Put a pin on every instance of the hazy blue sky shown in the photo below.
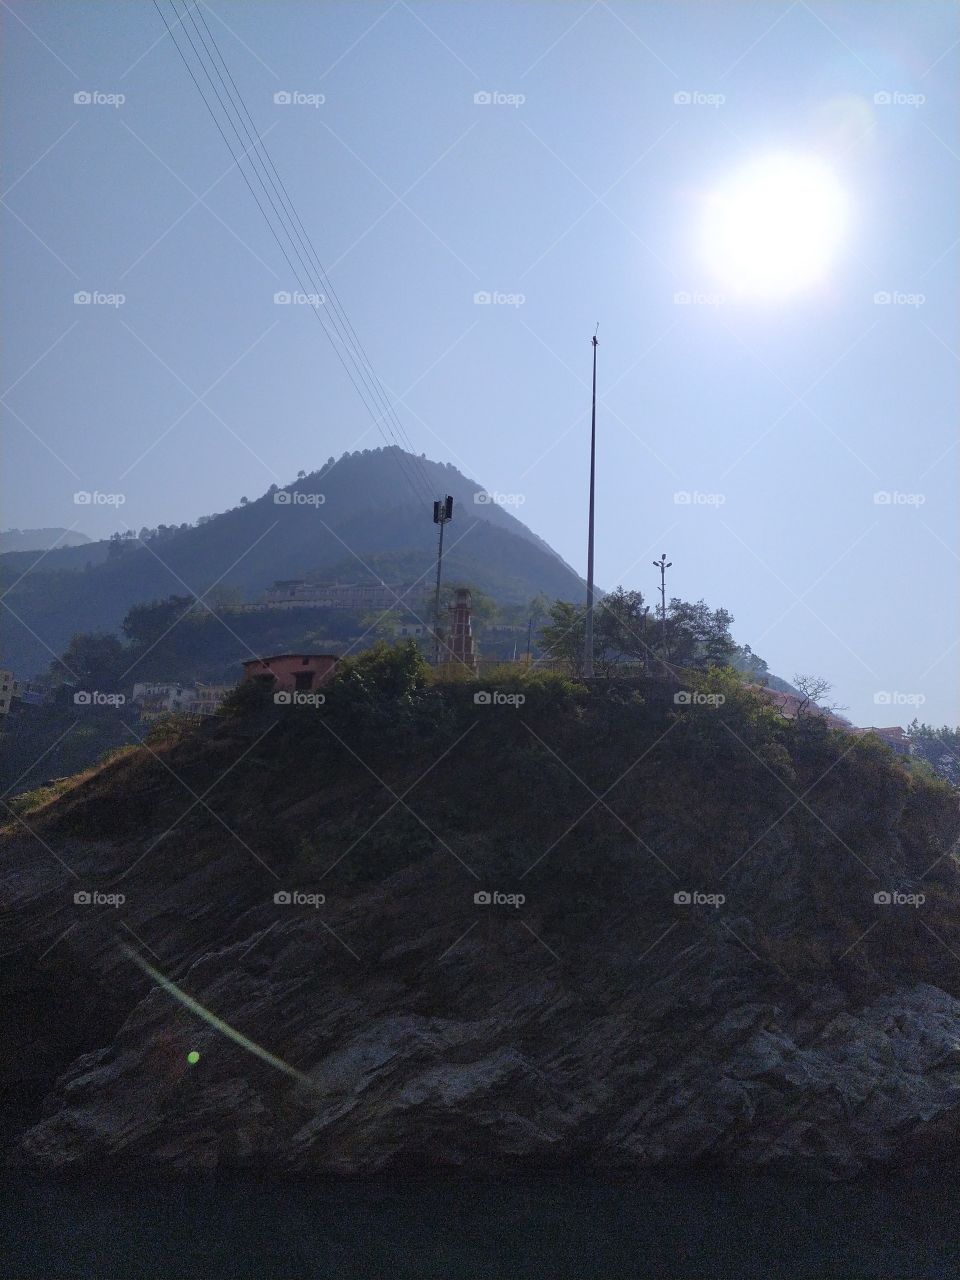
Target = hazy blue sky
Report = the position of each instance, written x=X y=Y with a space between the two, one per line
x=585 y=198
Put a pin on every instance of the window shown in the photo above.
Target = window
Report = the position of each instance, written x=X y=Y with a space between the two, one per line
x=304 y=681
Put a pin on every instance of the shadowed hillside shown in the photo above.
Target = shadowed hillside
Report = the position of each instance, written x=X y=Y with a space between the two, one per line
x=704 y=935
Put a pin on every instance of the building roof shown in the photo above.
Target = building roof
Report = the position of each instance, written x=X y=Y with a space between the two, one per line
x=276 y=657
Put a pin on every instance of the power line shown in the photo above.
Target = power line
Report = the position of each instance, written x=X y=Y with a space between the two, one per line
x=305 y=238
x=366 y=388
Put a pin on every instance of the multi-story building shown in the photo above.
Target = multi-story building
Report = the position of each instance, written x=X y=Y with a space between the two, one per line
x=159 y=698
x=156 y=698
x=337 y=595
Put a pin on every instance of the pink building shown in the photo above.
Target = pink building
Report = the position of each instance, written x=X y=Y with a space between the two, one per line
x=292 y=672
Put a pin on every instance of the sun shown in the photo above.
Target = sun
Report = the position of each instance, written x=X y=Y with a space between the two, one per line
x=775 y=227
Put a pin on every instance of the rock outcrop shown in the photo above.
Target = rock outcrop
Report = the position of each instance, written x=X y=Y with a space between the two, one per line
x=617 y=1018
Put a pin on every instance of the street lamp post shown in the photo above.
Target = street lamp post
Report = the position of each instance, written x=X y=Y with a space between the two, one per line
x=663 y=564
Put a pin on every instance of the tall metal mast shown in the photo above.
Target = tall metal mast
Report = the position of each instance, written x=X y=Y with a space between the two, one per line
x=588 y=633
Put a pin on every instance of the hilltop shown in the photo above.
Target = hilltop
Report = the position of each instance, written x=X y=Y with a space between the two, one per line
x=368 y=519
x=678 y=958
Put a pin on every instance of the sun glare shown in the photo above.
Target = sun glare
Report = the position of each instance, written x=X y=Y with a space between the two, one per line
x=774 y=229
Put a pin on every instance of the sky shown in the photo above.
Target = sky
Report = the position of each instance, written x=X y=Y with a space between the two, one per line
x=793 y=452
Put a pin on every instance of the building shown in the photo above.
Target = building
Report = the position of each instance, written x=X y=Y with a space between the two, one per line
x=405 y=630
x=291 y=672
x=157 y=698
x=9 y=689
x=208 y=697
x=336 y=595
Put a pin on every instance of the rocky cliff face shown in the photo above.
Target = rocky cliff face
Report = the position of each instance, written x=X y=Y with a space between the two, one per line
x=796 y=1023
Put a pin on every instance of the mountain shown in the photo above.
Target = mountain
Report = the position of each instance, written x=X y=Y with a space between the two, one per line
x=40 y=539
x=367 y=516
x=399 y=932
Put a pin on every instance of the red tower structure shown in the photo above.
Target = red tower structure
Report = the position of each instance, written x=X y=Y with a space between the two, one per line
x=461 y=648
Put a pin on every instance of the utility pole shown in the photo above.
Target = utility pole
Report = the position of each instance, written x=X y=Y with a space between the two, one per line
x=442 y=512
x=588 y=633
x=663 y=564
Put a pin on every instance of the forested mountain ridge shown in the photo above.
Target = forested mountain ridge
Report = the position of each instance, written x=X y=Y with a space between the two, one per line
x=353 y=510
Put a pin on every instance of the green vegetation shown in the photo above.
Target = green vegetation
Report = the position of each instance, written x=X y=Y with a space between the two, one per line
x=604 y=800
